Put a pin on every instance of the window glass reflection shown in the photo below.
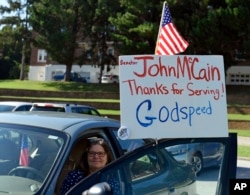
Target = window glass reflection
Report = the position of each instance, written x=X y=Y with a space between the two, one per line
x=206 y=159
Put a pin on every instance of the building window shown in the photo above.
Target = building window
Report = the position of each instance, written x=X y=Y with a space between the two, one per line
x=111 y=51
x=42 y=55
x=239 y=78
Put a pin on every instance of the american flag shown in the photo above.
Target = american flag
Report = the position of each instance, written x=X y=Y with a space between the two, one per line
x=169 y=41
x=24 y=155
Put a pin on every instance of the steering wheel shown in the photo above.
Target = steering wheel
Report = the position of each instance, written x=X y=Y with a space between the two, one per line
x=27 y=172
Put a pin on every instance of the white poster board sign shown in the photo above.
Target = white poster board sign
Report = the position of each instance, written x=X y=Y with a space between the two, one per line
x=172 y=96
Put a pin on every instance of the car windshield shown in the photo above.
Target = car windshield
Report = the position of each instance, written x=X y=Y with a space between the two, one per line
x=27 y=156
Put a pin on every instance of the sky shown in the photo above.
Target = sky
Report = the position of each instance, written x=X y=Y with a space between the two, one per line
x=4 y=3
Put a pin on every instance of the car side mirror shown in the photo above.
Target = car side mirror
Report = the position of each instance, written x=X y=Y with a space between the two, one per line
x=99 y=189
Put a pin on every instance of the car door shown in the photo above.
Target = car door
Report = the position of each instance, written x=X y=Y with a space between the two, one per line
x=151 y=169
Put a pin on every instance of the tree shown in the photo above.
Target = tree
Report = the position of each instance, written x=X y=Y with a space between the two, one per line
x=221 y=29
x=62 y=26
x=17 y=22
x=10 y=54
x=57 y=25
x=101 y=34
x=210 y=26
x=136 y=26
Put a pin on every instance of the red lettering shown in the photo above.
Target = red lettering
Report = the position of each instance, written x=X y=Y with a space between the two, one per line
x=184 y=67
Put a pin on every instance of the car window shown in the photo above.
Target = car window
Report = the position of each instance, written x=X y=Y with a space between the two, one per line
x=145 y=167
x=153 y=169
x=200 y=155
x=79 y=110
x=129 y=145
x=33 y=153
x=6 y=108
x=48 y=108
x=85 y=110
x=23 y=108
x=94 y=112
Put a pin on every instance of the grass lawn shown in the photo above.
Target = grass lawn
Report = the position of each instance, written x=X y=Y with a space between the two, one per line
x=243 y=151
x=238 y=117
x=244 y=133
x=58 y=86
x=66 y=99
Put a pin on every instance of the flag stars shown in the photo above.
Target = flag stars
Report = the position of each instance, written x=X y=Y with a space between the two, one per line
x=166 y=17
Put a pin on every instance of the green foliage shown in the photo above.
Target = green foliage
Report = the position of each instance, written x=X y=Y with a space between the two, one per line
x=202 y=23
x=63 y=25
x=210 y=26
x=137 y=25
x=14 y=72
x=15 y=35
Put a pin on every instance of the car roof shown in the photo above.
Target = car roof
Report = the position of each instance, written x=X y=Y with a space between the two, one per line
x=14 y=103
x=53 y=120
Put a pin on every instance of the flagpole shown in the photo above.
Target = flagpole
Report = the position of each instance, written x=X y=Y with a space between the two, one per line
x=162 y=13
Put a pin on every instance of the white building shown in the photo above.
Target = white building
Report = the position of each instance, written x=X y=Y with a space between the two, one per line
x=42 y=69
x=46 y=72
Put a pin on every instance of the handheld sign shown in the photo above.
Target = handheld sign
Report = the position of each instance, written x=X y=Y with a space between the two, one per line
x=172 y=96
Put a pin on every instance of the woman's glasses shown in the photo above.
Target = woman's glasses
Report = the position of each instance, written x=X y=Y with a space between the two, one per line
x=99 y=154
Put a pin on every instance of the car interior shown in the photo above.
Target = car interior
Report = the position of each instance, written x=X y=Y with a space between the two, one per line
x=73 y=159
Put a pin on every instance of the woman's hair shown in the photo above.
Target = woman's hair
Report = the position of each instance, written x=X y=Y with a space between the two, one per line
x=83 y=165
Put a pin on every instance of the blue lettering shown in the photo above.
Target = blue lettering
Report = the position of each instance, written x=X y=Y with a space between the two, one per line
x=190 y=113
x=148 y=118
x=175 y=112
x=161 y=114
x=165 y=114
x=182 y=111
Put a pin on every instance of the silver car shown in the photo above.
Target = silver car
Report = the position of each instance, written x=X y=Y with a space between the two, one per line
x=200 y=155
x=62 y=107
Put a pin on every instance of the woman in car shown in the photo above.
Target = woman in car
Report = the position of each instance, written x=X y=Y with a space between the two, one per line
x=95 y=157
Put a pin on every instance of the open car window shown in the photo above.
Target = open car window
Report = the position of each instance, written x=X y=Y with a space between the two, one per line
x=176 y=166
